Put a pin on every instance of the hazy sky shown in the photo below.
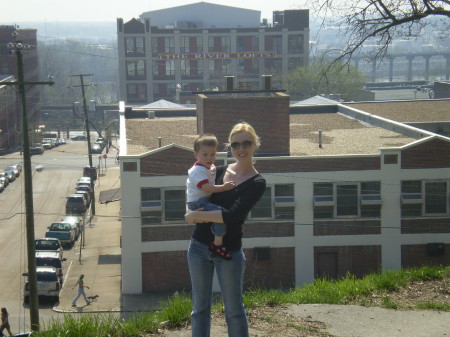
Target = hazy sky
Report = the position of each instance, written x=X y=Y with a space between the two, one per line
x=15 y=11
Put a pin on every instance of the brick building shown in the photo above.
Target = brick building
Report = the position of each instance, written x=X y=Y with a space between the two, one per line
x=168 y=53
x=348 y=191
x=10 y=118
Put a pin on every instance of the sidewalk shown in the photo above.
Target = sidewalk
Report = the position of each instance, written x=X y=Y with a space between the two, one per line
x=100 y=257
x=101 y=261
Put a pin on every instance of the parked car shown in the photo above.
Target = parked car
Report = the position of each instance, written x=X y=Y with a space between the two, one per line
x=48 y=283
x=96 y=148
x=86 y=196
x=14 y=170
x=37 y=148
x=50 y=259
x=62 y=231
x=91 y=172
x=74 y=221
x=4 y=179
x=75 y=204
x=49 y=244
x=78 y=138
x=47 y=144
x=85 y=187
x=11 y=176
x=83 y=180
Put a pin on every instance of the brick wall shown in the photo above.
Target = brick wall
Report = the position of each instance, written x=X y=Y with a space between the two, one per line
x=431 y=154
x=349 y=227
x=318 y=164
x=416 y=256
x=418 y=226
x=276 y=272
x=169 y=272
x=357 y=260
x=184 y=232
x=171 y=161
x=268 y=115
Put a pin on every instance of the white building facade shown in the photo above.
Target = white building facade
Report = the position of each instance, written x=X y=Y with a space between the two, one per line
x=321 y=216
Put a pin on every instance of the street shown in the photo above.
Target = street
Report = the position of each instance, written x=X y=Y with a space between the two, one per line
x=62 y=168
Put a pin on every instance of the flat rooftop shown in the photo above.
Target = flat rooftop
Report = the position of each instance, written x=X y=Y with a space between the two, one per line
x=341 y=135
x=408 y=111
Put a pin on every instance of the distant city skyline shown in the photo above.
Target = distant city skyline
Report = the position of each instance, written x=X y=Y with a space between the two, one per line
x=104 y=11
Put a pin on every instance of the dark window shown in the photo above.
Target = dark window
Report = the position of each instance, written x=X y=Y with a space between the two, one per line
x=346 y=200
x=129 y=166
x=436 y=197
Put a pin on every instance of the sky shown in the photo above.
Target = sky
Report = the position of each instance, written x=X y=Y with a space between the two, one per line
x=16 y=11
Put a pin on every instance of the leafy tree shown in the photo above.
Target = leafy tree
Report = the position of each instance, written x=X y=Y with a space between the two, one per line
x=324 y=78
x=381 y=21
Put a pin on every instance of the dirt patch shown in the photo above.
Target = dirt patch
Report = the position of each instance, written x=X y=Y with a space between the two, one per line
x=282 y=321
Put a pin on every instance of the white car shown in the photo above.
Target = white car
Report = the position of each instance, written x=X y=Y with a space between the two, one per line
x=83 y=180
x=48 y=283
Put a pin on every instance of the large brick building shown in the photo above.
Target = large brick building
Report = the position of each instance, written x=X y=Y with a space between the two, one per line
x=168 y=53
x=10 y=115
x=348 y=191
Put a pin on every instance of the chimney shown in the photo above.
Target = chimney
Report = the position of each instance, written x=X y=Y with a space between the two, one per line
x=159 y=141
x=267 y=82
x=230 y=83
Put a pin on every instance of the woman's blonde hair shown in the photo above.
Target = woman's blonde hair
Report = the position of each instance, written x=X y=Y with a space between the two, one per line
x=244 y=127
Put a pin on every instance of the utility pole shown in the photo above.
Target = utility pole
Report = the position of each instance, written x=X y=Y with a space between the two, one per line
x=88 y=133
x=32 y=279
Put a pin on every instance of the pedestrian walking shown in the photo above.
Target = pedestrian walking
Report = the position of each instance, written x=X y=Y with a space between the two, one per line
x=5 y=322
x=81 y=287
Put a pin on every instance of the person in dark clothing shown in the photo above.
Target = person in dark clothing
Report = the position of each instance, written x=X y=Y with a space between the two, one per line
x=5 y=322
x=237 y=203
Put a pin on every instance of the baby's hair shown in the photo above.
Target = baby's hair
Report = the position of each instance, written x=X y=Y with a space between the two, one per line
x=205 y=140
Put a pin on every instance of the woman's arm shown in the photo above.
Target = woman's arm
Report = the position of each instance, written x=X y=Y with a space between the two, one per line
x=202 y=216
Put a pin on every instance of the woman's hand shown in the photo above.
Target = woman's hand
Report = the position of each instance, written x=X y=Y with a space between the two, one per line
x=192 y=216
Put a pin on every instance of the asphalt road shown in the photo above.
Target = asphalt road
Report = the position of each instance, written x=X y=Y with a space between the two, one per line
x=62 y=168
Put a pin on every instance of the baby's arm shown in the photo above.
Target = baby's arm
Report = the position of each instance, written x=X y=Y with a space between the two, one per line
x=229 y=185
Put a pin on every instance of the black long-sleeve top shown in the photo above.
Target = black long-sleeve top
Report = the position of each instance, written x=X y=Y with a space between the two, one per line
x=237 y=202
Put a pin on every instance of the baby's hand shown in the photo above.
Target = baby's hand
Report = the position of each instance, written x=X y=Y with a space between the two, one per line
x=229 y=185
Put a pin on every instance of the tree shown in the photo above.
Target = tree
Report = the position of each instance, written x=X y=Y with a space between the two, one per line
x=324 y=78
x=381 y=21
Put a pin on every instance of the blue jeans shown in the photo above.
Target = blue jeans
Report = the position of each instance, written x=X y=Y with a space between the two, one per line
x=230 y=274
x=80 y=293
x=218 y=229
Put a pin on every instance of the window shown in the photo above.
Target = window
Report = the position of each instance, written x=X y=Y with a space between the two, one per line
x=347 y=200
x=160 y=205
x=370 y=199
x=170 y=67
x=184 y=44
x=295 y=44
x=247 y=43
x=284 y=202
x=174 y=204
x=137 y=92
x=185 y=67
x=135 y=68
x=134 y=46
x=411 y=198
x=436 y=197
x=169 y=45
x=263 y=208
x=323 y=200
x=219 y=43
x=129 y=166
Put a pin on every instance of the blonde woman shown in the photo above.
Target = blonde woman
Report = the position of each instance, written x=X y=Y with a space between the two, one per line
x=237 y=203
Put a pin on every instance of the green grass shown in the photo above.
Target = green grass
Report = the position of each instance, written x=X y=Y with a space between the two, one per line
x=176 y=310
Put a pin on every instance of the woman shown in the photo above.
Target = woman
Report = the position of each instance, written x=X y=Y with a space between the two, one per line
x=249 y=187
x=5 y=322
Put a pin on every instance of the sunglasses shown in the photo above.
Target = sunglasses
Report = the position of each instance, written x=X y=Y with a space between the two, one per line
x=244 y=145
